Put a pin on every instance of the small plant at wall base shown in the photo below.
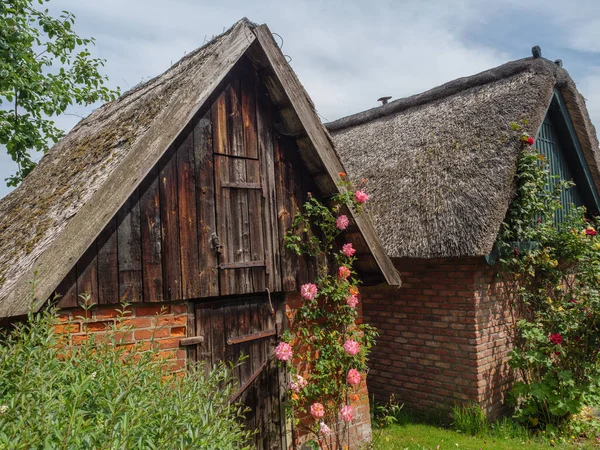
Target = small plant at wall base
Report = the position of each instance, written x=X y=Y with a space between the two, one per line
x=555 y=283
x=326 y=348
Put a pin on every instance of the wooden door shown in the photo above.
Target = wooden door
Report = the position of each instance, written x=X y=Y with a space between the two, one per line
x=248 y=326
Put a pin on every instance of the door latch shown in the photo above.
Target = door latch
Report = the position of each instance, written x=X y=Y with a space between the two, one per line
x=216 y=245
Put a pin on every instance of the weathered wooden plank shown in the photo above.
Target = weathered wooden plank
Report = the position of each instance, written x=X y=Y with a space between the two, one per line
x=256 y=360
x=203 y=320
x=169 y=221
x=265 y=149
x=254 y=176
x=191 y=341
x=205 y=196
x=151 y=238
x=284 y=215
x=188 y=231
x=243 y=330
x=108 y=265
x=87 y=276
x=67 y=290
x=248 y=91
x=322 y=147
x=243 y=185
x=130 y=250
x=274 y=421
x=240 y=238
x=217 y=324
x=222 y=196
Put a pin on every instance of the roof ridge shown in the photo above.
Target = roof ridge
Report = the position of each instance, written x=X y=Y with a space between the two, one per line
x=446 y=90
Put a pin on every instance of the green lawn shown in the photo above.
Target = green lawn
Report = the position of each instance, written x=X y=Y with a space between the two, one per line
x=430 y=437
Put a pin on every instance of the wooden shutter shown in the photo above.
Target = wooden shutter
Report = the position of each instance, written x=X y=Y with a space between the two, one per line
x=240 y=189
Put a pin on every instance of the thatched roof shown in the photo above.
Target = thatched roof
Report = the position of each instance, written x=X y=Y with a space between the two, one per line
x=441 y=164
x=48 y=222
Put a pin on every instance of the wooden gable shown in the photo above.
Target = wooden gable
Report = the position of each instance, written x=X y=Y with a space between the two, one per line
x=210 y=217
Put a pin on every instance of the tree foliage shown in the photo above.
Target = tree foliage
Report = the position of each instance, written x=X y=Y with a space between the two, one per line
x=45 y=67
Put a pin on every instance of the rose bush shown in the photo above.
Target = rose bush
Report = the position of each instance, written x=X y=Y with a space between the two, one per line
x=329 y=349
x=552 y=271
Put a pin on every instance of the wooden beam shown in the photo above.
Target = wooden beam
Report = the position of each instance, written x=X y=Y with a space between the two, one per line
x=194 y=340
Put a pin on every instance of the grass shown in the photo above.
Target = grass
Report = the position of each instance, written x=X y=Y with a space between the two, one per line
x=417 y=432
x=418 y=436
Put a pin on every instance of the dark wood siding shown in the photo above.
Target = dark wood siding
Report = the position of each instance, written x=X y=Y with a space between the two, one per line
x=211 y=217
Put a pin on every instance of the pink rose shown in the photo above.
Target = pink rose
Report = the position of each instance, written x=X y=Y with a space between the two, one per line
x=361 y=196
x=324 y=429
x=308 y=291
x=352 y=347
x=342 y=222
x=283 y=351
x=298 y=384
x=353 y=377
x=347 y=413
x=352 y=301
x=317 y=410
x=343 y=272
x=348 y=250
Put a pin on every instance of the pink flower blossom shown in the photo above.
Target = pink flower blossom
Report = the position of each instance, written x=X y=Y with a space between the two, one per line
x=308 y=291
x=317 y=410
x=353 y=377
x=361 y=196
x=283 y=351
x=343 y=272
x=348 y=250
x=352 y=301
x=342 y=222
x=352 y=347
x=347 y=413
x=324 y=429
x=298 y=384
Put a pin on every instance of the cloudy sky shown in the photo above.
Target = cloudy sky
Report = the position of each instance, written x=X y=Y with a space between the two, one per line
x=347 y=53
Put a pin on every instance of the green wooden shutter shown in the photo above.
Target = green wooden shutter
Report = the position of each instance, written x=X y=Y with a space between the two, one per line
x=549 y=145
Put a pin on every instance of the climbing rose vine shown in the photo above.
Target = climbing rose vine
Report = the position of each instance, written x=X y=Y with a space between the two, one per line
x=324 y=349
x=552 y=273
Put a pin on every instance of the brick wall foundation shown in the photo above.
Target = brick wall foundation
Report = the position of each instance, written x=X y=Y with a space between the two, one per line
x=444 y=336
x=164 y=324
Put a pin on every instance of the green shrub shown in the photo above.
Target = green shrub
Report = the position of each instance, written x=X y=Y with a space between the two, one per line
x=555 y=285
x=103 y=394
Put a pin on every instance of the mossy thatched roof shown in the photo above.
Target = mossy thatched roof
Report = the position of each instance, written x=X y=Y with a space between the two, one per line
x=441 y=164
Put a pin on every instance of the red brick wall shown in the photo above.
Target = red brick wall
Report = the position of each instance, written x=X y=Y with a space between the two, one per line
x=442 y=338
x=495 y=319
x=166 y=323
